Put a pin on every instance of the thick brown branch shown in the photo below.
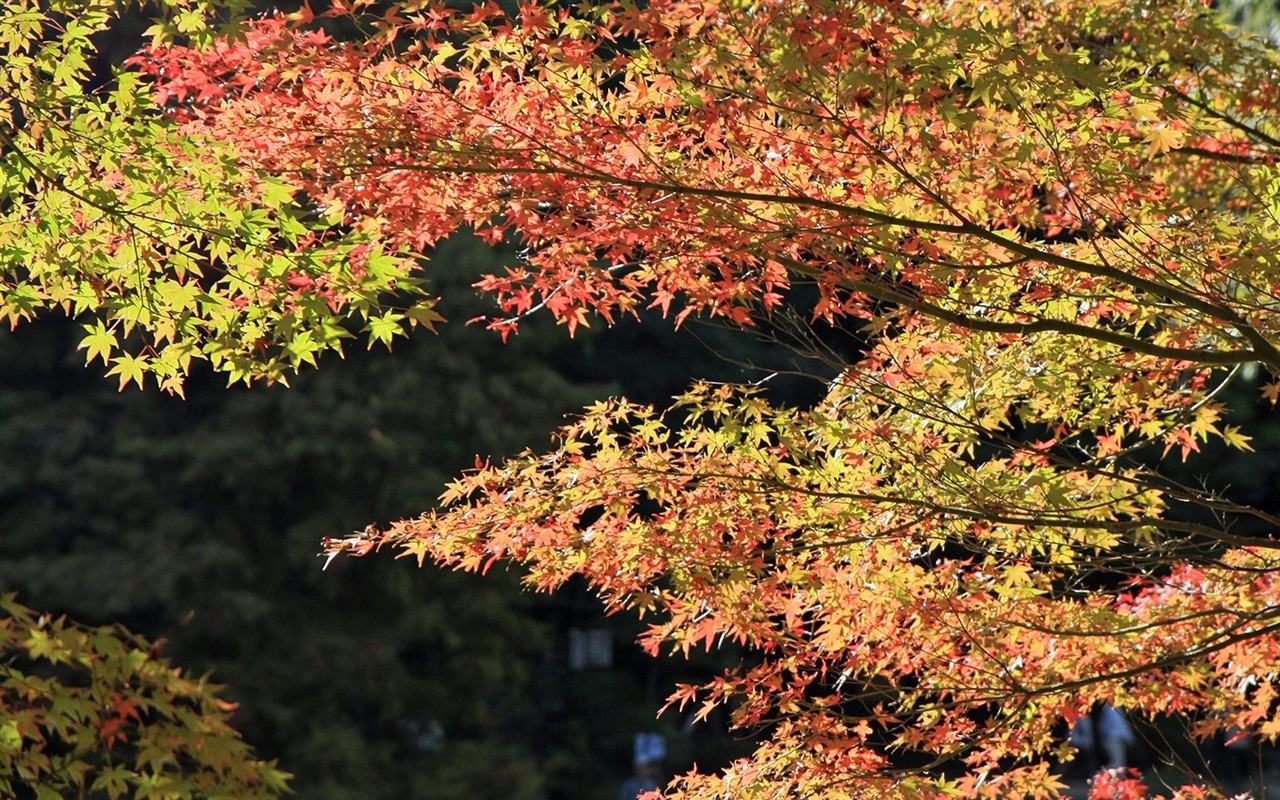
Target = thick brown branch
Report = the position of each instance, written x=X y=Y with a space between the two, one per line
x=882 y=292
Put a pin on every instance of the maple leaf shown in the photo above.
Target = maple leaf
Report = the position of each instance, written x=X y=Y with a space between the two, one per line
x=1164 y=139
x=131 y=369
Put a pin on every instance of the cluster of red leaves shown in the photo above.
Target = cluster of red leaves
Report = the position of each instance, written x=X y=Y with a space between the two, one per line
x=1119 y=784
x=703 y=173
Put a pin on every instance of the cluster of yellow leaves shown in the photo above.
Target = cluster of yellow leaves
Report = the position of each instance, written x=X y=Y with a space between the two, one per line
x=169 y=247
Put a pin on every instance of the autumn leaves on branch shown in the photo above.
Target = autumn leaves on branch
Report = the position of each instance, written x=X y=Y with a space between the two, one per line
x=1054 y=228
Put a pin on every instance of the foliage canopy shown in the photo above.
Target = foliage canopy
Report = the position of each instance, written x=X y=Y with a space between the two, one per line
x=1052 y=230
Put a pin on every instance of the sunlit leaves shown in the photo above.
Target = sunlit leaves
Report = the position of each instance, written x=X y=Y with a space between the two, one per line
x=179 y=250
x=1057 y=253
x=1051 y=228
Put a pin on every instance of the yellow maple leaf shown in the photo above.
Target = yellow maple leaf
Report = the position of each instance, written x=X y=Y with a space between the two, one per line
x=1163 y=139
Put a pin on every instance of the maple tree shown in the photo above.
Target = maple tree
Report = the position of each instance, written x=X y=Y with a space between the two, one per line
x=1053 y=228
x=93 y=712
